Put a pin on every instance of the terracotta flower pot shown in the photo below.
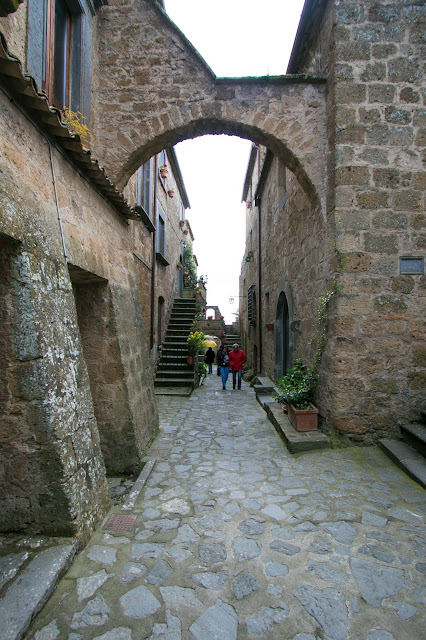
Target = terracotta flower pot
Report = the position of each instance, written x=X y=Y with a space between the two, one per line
x=164 y=173
x=171 y=193
x=303 y=419
x=181 y=223
x=190 y=360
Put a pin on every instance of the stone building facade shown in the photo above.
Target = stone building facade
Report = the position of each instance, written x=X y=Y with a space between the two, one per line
x=79 y=313
x=370 y=236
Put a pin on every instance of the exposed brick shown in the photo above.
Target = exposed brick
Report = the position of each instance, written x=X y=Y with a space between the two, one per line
x=380 y=243
x=352 y=175
x=408 y=201
x=387 y=178
x=372 y=199
x=381 y=93
x=390 y=220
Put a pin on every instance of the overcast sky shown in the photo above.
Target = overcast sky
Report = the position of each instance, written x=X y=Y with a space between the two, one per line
x=236 y=38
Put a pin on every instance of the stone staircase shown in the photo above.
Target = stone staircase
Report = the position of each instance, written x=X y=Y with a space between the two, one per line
x=409 y=453
x=174 y=376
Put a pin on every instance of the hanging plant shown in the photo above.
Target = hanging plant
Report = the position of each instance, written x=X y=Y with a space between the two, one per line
x=179 y=266
x=164 y=172
x=171 y=193
x=181 y=223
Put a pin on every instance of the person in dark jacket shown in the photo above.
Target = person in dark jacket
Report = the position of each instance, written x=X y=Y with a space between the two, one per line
x=223 y=362
x=209 y=359
x=218 y=358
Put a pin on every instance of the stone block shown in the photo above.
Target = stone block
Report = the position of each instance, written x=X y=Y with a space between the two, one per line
x=417 y=379
x=354 y=262
x=352 y=219
x=381 y=93
x=387 y=178
x=350 y=93
x=368 y=33
x=418 y=328
x=404 y=70
x=370 y=285
x=384 y=385
x=408 y=201
x=402 y=284
x=374 y=72
x=390 y=304
x=420 y=242
x=352 y=175
x=372 y=199
x=418 y=221
x=421 y=139
x=384 y=50
x=408 y=94
x=343 y=71
x=349 y=13
x=389 y=220
x=419 y=119
x=369 y=116
x=349 y=424
x=397 y=115
x=419 y=355
x=401 y=136
x=354 y=134
x=377 y=134
x=379 y=12
x=374 y=155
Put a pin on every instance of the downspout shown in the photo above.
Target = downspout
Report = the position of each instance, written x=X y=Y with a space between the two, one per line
x=154 y=261
x=258 y=203
x=57 y=204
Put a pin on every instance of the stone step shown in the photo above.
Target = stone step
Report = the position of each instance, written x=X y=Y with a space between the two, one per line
x=173 y=391
x=295 y=441
x=31 y=589
x=168 y=382
x=406 y=458
x=175 y=373
x=415 y=436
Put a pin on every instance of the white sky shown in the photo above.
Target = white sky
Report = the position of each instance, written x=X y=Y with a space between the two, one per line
x=236 y=38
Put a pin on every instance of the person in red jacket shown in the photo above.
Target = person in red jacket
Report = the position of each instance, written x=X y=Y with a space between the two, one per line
x=237 y=358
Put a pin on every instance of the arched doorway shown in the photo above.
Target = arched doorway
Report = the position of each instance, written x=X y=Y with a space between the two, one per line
x=283 y=341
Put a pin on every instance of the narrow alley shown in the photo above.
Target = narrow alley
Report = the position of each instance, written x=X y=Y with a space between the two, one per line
x=235 y=538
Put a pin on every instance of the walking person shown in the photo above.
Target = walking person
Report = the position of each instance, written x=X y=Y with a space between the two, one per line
x=237 y=358
x=209 y=359
x=224 y=365
x=218 y=358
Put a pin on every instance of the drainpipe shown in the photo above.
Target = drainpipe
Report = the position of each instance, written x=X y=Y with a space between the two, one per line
x=258 y=202
x=154 y=261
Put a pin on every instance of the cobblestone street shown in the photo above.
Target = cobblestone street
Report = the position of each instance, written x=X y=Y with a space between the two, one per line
x=235 y=538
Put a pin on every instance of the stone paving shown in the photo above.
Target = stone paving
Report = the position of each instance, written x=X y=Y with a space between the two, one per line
x=235 y=538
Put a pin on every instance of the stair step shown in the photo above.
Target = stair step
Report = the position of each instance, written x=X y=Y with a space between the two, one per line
x=415 y=436
x=173 y=391
x=406 y=458
x=173 y=382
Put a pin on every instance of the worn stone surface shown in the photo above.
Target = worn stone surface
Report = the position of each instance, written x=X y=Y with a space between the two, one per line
x=242 y=572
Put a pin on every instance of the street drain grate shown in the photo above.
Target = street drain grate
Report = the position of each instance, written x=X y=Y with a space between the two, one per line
x=119 y=522
x=159 y=453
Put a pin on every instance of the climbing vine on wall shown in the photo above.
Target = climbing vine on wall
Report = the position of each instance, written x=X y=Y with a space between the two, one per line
x=321 y=324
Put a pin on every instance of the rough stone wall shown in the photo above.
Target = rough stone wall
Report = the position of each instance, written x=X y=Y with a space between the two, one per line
x=295 y=258
x=14 y=29
x=52 y=441
x=377 y=125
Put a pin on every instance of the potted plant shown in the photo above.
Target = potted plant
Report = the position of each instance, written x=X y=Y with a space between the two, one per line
x=295 y=390
x=202 y=372
x=164 y=172
x=185 y=231
x=195 y=343
x=171 y=193
x=181 y=223
x=179 y=266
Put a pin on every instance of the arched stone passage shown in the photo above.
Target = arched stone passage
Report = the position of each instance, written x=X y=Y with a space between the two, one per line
x=147 y=102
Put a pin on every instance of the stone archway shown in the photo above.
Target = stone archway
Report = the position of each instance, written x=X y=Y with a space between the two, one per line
x=153 y=97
